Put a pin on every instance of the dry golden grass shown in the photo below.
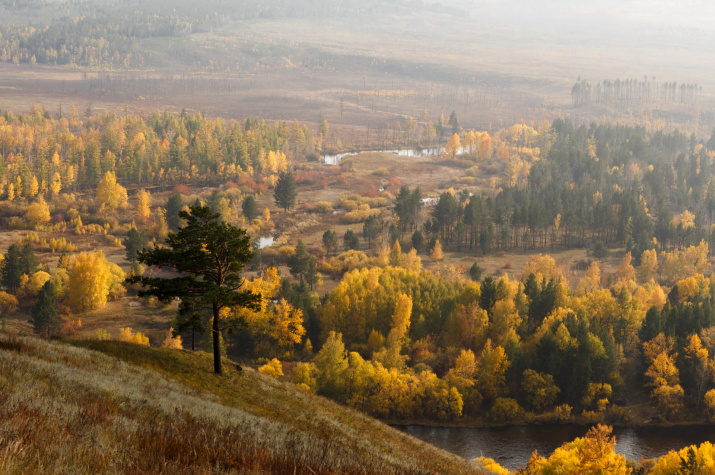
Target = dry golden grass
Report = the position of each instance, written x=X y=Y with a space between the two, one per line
x=66 y=409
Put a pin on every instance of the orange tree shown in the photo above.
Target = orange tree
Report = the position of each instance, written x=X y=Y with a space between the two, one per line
x=208 y=256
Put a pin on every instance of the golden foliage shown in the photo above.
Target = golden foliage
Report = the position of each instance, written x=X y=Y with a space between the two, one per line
x=110 y=193
x=465 y=366
x=672 y=462
x=345 y=262
x=31 y=287
x=286 y=325
x=693 y=286
x=436 y=253
x=38 y=212
x=89 y=281
x=542 y=266
x=594 y=453
x=55 y=184
x=411 y=261
x=143 y=205
x=32 y=187
x=625 y=270
x=679 y=264
x=695 y=349
x=492 y=370
x=101 y=335
x=126 y=335
x=171 y=341
x=662 y=371
x=8 y=303
x=649 y=266
x=491 y=465
x=396 y=254
x=273 y=368
x=304 y=373
x=453 y=146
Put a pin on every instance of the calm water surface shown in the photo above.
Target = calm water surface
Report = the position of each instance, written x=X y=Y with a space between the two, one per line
x=407 y=152
x=512 y=446
x=265 y=242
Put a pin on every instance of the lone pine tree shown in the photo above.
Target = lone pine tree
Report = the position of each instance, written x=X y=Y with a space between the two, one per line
x=208 y=255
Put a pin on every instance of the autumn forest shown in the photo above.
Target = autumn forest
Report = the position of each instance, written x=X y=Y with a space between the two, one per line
x=252 y=210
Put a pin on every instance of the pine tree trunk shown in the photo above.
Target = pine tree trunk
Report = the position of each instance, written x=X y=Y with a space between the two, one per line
x=217 y=343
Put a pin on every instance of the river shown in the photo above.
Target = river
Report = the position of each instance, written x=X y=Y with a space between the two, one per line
x=408 y=152
x=512 y=446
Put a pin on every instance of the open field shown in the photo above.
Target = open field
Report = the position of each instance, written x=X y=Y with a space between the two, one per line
x=490 y=72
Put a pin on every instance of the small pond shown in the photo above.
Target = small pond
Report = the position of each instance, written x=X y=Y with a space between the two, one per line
x=265 y=242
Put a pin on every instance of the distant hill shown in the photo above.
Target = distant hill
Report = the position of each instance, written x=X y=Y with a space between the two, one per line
x=117 y=407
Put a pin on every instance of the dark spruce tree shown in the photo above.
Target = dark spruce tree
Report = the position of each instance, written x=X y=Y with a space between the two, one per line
x=134 y=242
x=12 y=268
x=173 y=207
x=418 y=240
x=312 y=276
x=285 y=192
x=250 y=208
x=28 y=261
x=351 y=240
x=208 y=255
x=46 y=318
x=371 y=229
x=475 y=272
x=299 y=262
x=330 y=241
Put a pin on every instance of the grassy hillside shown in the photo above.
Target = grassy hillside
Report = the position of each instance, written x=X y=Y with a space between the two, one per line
x=115 y=407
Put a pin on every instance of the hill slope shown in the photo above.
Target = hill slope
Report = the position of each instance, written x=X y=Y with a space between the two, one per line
x=70 y=409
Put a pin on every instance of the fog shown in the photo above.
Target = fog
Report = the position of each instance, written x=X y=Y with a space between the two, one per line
x=488 y=59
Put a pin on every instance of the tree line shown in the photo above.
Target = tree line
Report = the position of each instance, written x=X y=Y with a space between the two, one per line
x=628 y=92
x=164 y=149
x=597 y=185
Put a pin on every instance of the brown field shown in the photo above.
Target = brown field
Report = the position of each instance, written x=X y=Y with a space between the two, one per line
x=490 y=73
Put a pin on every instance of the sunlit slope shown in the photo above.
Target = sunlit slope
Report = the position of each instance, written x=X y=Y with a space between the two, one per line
x=67 y=409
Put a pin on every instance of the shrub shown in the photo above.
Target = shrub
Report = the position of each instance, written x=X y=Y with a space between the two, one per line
x=591 y=417
x=619 y=415
x=286 y=251
x=345 y=262
x=171 y=341
x=183 y=189
x=322 y=207
x=358 y=216
x=102 y=335
x=273 y=369
x=304 y=374
x=126 y=335
x=505 y=409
